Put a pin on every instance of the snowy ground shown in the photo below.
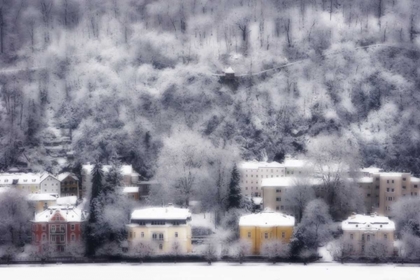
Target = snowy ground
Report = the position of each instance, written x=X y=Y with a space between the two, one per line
x=219 y=271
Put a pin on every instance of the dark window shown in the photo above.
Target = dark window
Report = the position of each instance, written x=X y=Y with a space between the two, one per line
x=249 y=235
x=377 y=187
x=404 y=179
x=176 y=234
x=278 y=199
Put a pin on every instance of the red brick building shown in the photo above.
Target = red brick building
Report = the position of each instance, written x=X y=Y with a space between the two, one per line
x=58 y=227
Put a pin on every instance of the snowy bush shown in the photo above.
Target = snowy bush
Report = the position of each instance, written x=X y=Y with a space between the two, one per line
x=274 y=250
x=240 y=250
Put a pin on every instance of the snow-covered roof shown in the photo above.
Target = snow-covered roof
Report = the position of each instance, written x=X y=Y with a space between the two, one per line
x=130 y=189
x=267 y=219
x=64 y=175
x=70 y=214
x=257 y=200
x=126 y=169
x=391 y=174
x=365 y=180
x=229 y=70
x=290 y=163
x=42 y=197
x=161 y=213
x=258 y=164
x=372 y=170
x=67 y=200
x=23 y=178
x=287 y=182
x=368 y=223
x=415 y=180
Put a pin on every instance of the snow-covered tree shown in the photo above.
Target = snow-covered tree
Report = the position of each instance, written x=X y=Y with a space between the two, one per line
x=376 y=250
x=240 y=250
x=234 y=196
x=274 y=250
x=299 y=196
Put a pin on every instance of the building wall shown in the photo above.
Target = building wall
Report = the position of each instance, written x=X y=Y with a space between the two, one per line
x=273 y=198
x=50 y=185
x=69 y=187
x=360 y=240
x=169 y=237
x=251 y=179
x=43 y=204
x=258 y=235
x=385 y=190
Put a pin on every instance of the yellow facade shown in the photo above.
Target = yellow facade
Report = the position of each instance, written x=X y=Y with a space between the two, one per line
x=258 y=235
x=171 y=234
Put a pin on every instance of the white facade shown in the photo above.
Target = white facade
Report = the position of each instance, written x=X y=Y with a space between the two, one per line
x=31 y=182
x=253 y=173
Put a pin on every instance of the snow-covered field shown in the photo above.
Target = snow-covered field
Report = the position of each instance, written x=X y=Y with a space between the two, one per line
x=219 y=271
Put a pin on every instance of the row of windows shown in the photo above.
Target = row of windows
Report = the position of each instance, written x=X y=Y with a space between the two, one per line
x=156 y=236
x=267 y=235
x=368 y=236
x=54 y=228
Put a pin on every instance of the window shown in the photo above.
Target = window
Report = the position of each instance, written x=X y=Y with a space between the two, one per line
x=392 y=190
x=351 y=236
x=53 y=238
x=249 y=234
x=266 y=235
x=282 y=207
x=43 y=227
x=368 y=195
x=44 y=237
x=62 y=238
x=278 y=191
x=158 y=223
x=154 y=236
x=387 y=189
x=283 y=234
x=131 y=235
x=73 y=237
x=387 y=181
x=393 y=181
x=176 y=234
x=385 y=236
x=404 y=187
x=278 y=199
x=142 y=234
x=368 y=237
x=53 y=228
x=72 y=227
x=160 y=236
x=404 y=179
x=160 y=246
x=415 y=186
x=277 y=208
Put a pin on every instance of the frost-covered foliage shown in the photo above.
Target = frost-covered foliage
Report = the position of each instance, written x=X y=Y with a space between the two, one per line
x=299 y=196
x=210 y=251
x=314 y=229
x=122 y=74
x=143 y=249
x=15 y=216
x=341 y=248
x=240 y=249
x=377 y=250
x=274 y=250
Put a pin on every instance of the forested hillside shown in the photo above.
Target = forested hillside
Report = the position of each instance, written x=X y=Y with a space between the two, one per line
x=132 y=78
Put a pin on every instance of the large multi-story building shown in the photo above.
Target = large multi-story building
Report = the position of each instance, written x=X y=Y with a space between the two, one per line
x=382 y=189
x=253 y=173
x=274 y=190
x=57 y=227
x=129 y=176
x=31 y=182
x=264 y=227
x=165 y=228
x=361 y=230
x=69 y=184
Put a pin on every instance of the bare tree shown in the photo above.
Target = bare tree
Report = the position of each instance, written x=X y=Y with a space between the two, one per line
x=274 y=250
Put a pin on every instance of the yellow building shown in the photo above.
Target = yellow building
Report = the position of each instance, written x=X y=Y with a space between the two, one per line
x=264 y=227
x=361 y=230
x=165 y=228
x=42 y=201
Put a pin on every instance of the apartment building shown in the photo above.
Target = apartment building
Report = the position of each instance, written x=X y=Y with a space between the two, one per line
x=382 y=189
x=129 y=176
x=265 y=226
x=162 y=227
x=274 y=190
x=360 y=230
x=31 y=182
x=253 y=173
x=58 y=227
x=69 y=184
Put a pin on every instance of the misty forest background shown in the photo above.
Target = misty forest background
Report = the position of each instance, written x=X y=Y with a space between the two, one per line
x=137 y=81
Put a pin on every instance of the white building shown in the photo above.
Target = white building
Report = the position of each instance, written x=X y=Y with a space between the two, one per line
x=361 y=230
x=253 y=173
x=161 y=227
x=31 y=182
x=129 y=176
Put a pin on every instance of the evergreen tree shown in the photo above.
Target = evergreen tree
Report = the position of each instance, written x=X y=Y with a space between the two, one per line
x=113 y=179
x=234 y=197
x=92 y=239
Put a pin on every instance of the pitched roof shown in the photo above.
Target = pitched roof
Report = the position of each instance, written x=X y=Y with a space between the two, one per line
x=267 y=218
x=126 y=169
x=42 y=197
x=368 y=223
x=67 y=200
x=23 y=178
x=161 y=213
x=68 y=214
x=64 y=175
